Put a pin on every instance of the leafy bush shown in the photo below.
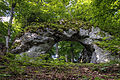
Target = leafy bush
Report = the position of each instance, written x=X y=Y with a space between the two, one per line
x=59 y=61
x=12 y=66
x=24 y=59
x=16 y=68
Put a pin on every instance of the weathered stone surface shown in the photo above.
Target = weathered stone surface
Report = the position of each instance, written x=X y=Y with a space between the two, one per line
x=41 y=41
x=100 y=55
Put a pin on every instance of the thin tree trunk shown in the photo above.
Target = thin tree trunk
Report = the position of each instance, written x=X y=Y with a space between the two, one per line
x=66 y=58
x=9 y=26
x=57 y=53
x=72 y=54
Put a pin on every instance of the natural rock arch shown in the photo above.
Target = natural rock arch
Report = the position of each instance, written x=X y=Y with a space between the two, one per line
x=40 y=40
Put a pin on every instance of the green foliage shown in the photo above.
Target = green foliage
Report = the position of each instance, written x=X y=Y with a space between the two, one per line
x=111 y=45
x=29 y=15
x=3 y=8
x=24 y=59
x=4 y=75
x=59 y=61
x=31 y=11
x=8 y=58
x=105 y=67
x=16 y=64
x=103 y=13
x=97 y=78
x=107 y=15
x=65 y=49
x=3 y=31
x=16 y=68
x=13 y=66
x=42 y=60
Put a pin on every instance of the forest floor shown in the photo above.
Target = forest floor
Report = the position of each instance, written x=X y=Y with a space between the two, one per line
x=74 y=71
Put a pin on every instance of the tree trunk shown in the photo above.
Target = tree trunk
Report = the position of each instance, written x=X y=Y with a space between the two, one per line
x=72 y=53
x=66 y=58
x=10 y=25
x=57 y=53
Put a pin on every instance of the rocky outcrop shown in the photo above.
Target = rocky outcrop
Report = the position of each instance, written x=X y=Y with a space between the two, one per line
x=41 y=41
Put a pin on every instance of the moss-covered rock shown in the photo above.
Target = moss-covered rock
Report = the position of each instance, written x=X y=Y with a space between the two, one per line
x=38 y=38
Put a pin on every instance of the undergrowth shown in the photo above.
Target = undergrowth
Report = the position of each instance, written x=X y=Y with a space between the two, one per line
x=14 y=65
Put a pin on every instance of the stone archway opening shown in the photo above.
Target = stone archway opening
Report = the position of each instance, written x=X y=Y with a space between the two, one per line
x=71 y=50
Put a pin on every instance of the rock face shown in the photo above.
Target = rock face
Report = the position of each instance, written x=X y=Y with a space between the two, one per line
x=42 y=40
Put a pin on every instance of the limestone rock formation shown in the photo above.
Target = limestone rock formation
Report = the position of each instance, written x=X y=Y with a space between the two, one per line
x=42 y=40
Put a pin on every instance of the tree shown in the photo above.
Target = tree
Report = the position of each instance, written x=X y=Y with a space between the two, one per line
x=71 y=50
x=13 y=4
x=3 y=25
